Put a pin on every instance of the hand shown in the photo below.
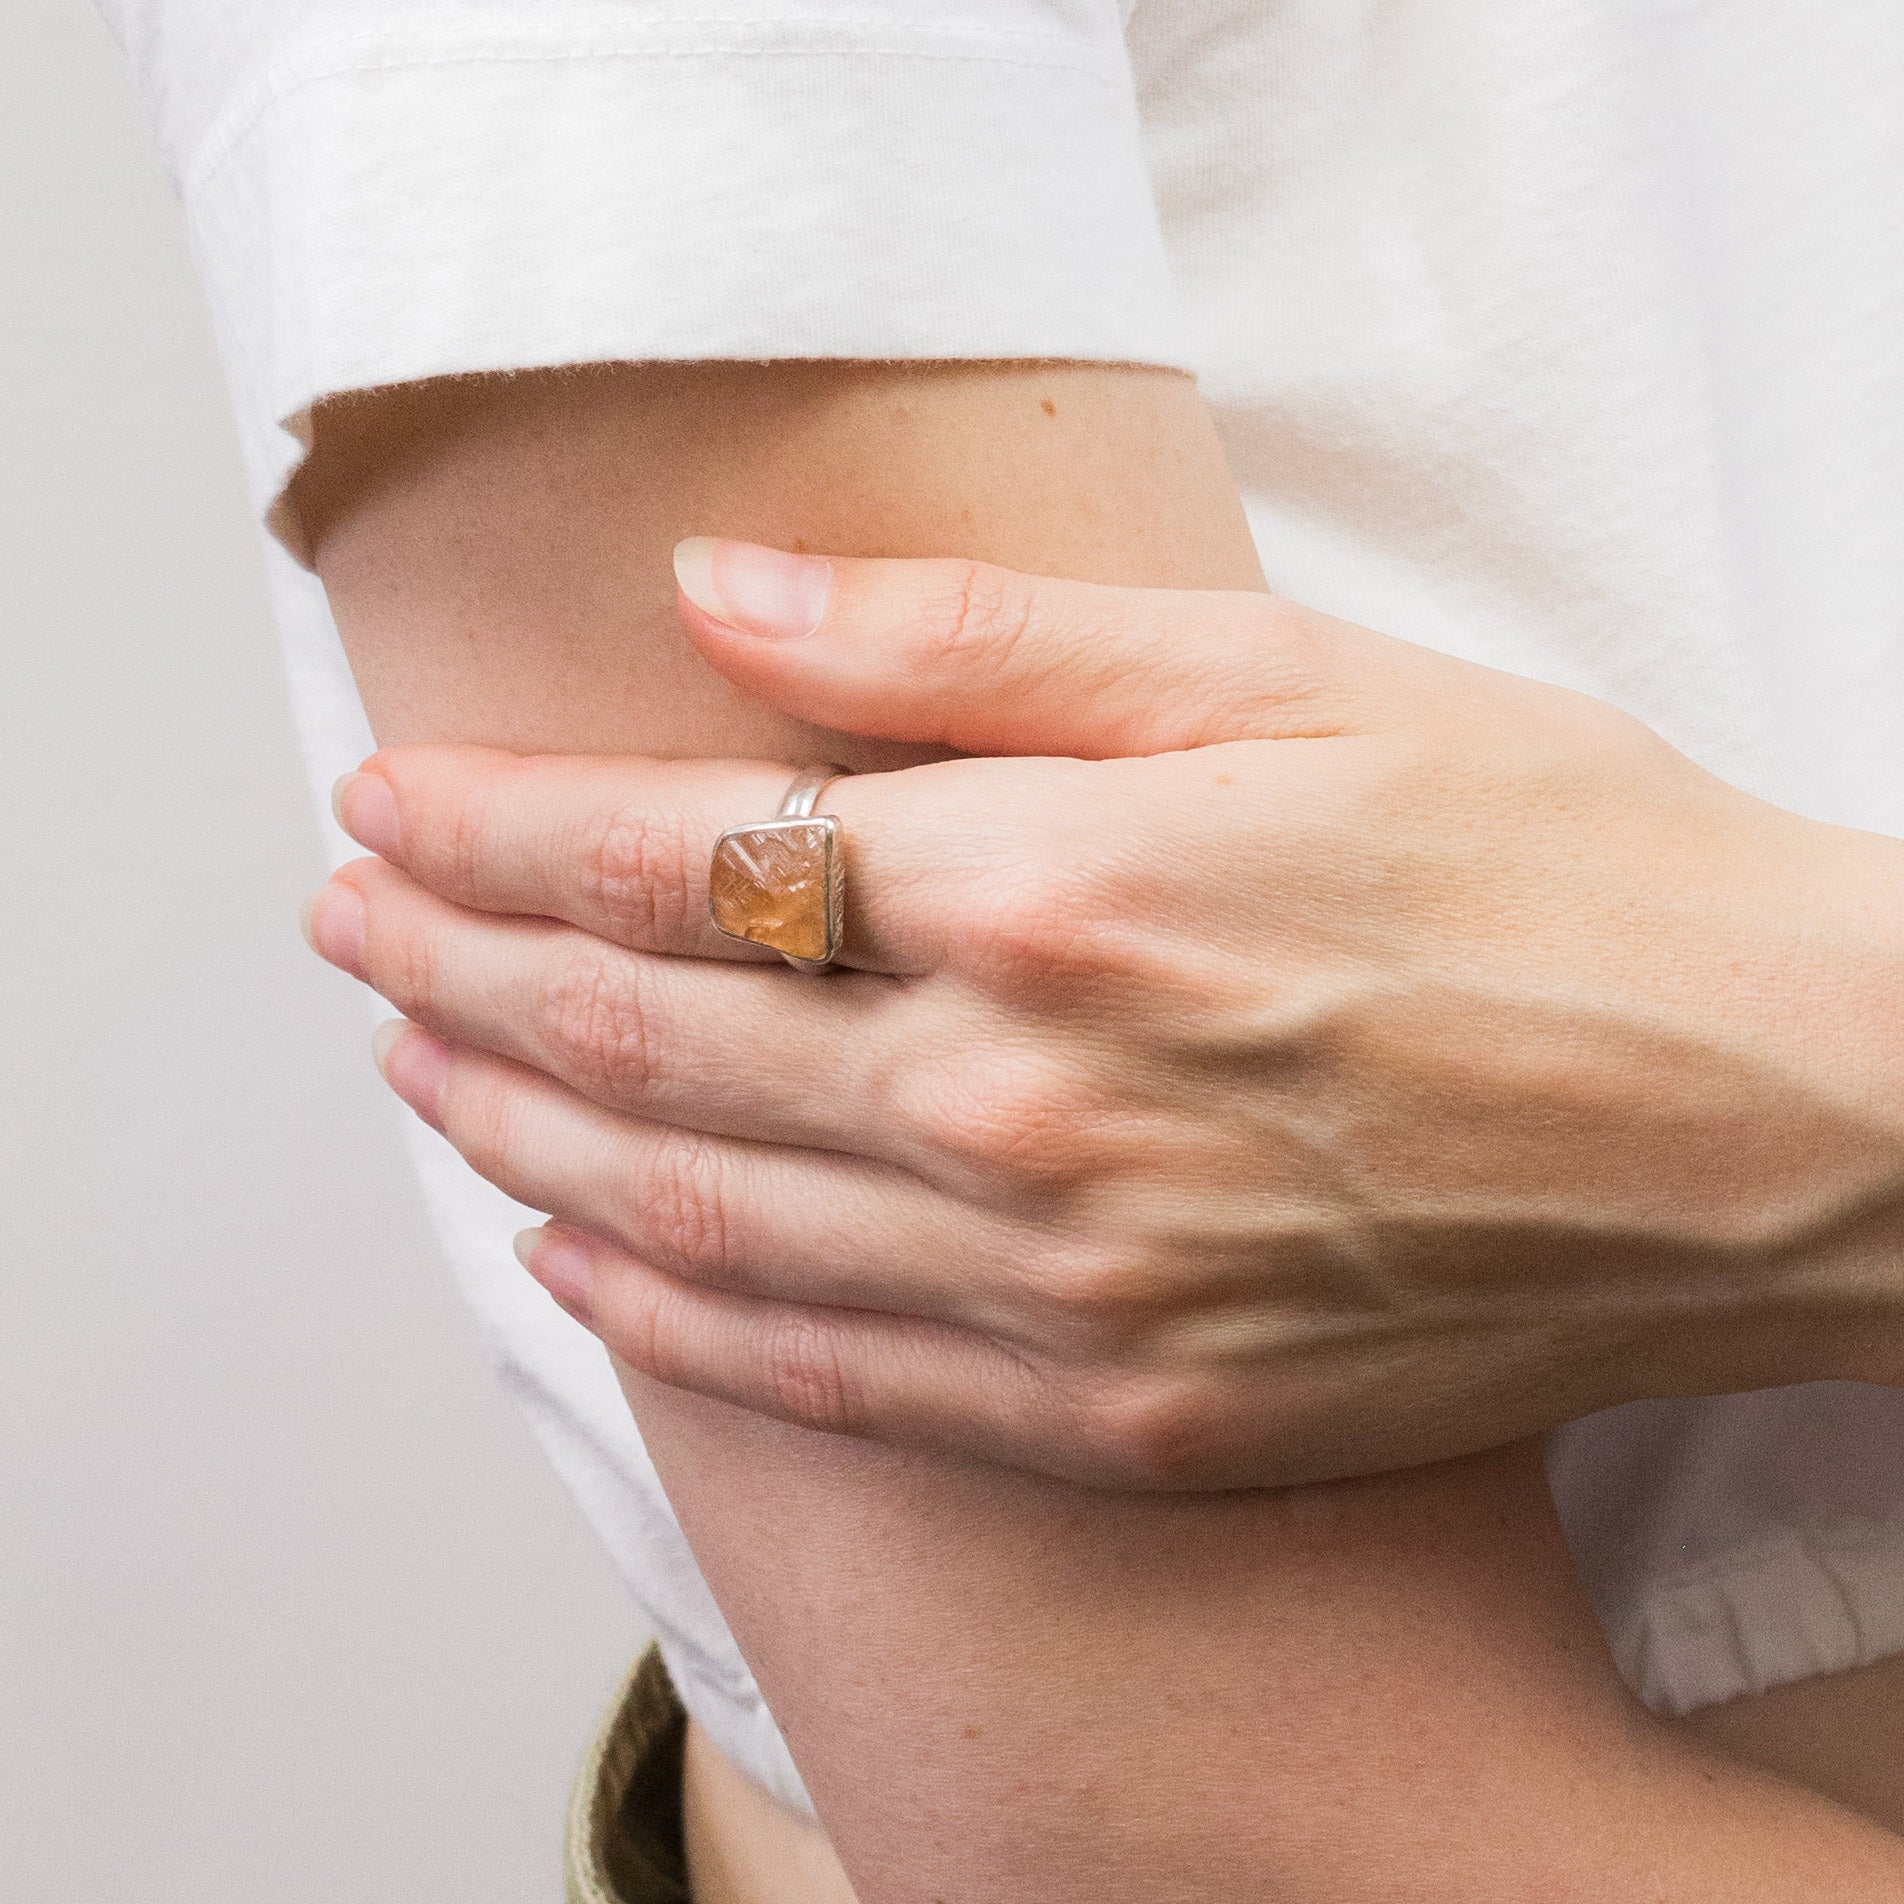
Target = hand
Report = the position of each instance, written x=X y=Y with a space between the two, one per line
x=1346 y=1057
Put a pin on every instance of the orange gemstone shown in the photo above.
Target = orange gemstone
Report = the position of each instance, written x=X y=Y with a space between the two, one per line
x=773 y=884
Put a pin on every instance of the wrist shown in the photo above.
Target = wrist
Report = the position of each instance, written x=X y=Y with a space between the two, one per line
x=1834 y=1011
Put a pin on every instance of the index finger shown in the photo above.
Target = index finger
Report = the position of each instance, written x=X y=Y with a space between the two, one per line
x=619 y=846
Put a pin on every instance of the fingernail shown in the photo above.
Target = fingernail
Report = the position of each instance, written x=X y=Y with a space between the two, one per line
x=366 y=809
x=561 y=1267
x=759 y=591
x=333 y=921
x=414 y=1065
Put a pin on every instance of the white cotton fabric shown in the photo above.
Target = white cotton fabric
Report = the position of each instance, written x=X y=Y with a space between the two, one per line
x=1561 y=334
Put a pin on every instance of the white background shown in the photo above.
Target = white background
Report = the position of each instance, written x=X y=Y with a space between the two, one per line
x=290 y=1608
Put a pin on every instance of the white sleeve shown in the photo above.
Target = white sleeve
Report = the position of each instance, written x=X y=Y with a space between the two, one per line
x=383 y=190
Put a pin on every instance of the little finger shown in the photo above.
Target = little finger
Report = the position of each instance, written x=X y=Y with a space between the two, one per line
x=896 y=1379
x=799 y=1226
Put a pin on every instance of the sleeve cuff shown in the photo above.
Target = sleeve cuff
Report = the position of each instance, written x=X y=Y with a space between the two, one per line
x=418 y=210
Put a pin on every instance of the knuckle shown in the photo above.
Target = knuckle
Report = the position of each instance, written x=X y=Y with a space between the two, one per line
x=1006 y=1119
x=1038 y=926
x=643 y=1329
x=1055 y=915
x=633 y=873
x=598 y=1025
x=684 y=1214
x=1144 y=1428
x=403 y=959
x=973 y=618
x=1041 y=892
x=463 y=829
x=1097 y=1301
x=485 y=1125
x=807 y=1380
x=464 y=843
x=1290 y=667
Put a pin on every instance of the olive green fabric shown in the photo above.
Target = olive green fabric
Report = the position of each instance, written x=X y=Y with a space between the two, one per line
x=624 y=1831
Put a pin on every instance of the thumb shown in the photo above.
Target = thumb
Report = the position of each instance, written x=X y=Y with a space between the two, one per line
x=989 y=661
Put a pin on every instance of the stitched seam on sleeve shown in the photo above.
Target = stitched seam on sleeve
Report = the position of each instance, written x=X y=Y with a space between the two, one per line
x=1814 y=1541
x=333 y=60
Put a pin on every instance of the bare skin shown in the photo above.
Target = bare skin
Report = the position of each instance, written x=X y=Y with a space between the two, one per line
x=1843 y=1735
x=1028 y=1689
x=1284 y=1053
x=744 y=1847
x=1838 y=1735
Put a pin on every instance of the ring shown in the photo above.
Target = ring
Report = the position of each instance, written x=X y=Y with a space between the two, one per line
x=781 y=883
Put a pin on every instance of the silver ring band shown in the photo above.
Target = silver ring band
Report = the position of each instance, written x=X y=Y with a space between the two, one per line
x=808 y=784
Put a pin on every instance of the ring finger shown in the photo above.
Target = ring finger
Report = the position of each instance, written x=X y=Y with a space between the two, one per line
x=622 y=848
x=740 y=1050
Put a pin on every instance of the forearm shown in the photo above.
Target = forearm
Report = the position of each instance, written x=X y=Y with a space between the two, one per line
x=1001 y=1687
x=1029 y=1690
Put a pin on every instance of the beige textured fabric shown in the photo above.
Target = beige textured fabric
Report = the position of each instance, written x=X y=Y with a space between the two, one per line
x=623 y=1844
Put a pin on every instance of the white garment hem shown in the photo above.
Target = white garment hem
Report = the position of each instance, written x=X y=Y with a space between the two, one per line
x=1794 y=1604
x=864 y=215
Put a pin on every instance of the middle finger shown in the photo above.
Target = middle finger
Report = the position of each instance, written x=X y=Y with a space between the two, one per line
x=752 y=1051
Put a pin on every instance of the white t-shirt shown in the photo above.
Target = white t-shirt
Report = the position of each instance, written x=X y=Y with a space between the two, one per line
x=1567 y=335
